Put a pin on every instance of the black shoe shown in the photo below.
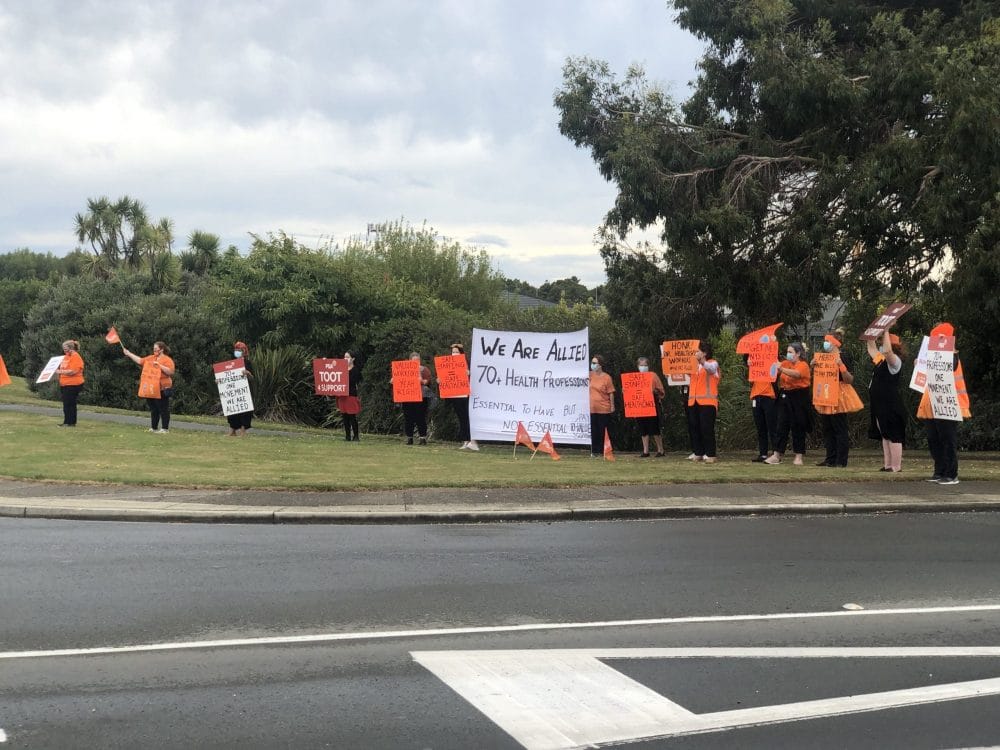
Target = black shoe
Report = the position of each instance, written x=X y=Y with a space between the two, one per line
x=357 y=439
x=659 y=454
x=934 y=478
x=409 y=441
x=824 y=462
x=423 y=441
x=885 y=468
x=758 y=460
x=643 y=455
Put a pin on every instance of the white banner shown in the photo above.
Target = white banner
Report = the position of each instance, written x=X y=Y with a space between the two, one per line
x=50 y=369
x=941 y=385
x=539 y=379
x=234 y=387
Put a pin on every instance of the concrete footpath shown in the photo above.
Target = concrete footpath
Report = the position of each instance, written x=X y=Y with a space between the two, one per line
x=22 y=499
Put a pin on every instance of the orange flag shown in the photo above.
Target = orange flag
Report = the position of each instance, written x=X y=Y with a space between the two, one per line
x=112 y=336
x=545 y=445
x=609 y=454
x=4 y=377
x=523 y=438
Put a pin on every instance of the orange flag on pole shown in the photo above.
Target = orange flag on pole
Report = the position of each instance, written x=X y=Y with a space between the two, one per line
x=112 y=336
x=523 y=438
x=4 y=377
x=545 y=445
x=609 y=454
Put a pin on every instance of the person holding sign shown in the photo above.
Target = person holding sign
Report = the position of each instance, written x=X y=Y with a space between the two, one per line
x=240 y=423
x=833 y=411
x=888 y=417
x=156 y=384
x=653 y=393
x=70 y=374
x=350 y=405
x=415 y=412
x=703 y=401
x=794 y=411
x=945 y=403
x=602 y=404
x=458 y=384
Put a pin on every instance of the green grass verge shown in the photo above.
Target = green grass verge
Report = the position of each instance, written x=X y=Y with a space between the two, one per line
x=33 y=447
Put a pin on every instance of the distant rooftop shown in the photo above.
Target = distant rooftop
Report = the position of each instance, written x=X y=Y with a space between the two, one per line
x=524 y=302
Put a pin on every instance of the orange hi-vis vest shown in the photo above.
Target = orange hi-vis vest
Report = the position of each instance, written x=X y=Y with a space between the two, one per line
x=924 y=411
x=704 y=388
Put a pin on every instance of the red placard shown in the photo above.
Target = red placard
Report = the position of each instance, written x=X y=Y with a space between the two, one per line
x=452 y=375
x=637 y=392
x=941 y=344
x=330 y=377
x=885 y=321
x=406 y=381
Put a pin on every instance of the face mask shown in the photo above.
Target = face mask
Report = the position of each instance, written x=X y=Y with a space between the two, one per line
x=827 y=346
x=643 y=368
x=237 y=353
x=790 y=357
x=594 y=366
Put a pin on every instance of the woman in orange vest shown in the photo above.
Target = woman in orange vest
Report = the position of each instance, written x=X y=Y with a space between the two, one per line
x=703 y=398
x=602 y=404
x=794 y=409
x=70 y=374
x=942 y=434
x=159 y=408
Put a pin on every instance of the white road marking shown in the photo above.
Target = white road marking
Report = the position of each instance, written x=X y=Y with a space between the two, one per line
x=3 y=736
x=433 y=632
x=566 y=698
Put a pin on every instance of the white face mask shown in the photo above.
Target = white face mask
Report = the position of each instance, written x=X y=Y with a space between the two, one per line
x=643 y=368
x=594 y=366
x=237 y=353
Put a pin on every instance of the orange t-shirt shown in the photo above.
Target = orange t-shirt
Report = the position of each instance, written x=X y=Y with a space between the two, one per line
x=72 y=361
x=601 y=389
x=761 y=389
x=166 y=381
x=791 y=384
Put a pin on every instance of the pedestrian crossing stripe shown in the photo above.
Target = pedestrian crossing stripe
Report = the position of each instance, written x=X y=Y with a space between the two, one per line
x=568 y=698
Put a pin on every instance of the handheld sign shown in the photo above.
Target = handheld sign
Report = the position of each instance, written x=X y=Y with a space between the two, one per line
x=50 y=369
x=330 y=377
x=4 y=376
x=761 y=348
x=234 y=387
x=826 y=380
x=885 y=321
x=678 y=360
x=452 y=376
x=406 y=381
x=637 y=392
x=941 y=379
x=149 y=381
x=918 y=380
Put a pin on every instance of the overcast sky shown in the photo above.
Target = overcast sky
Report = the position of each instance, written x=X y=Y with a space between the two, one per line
x=317 y=118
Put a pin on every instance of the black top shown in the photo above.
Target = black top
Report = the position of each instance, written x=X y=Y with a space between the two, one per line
x=353 y=378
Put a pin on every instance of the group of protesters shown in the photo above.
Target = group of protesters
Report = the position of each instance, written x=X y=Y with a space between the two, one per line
x=781 y=404
x=782 y=407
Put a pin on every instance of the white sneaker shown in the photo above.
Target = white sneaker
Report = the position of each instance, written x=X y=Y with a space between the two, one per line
x=694 y=457
x=152 y=430
x=162 y=431
x=464 y=445
x=948 y=481
x=472 y=445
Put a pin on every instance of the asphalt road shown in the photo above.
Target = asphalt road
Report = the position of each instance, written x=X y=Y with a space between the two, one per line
x=399 y=618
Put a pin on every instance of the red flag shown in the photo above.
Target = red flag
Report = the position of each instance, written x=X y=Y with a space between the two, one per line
x=112 y=336
x=523 y=438
x=609 y=454
x=545 y=445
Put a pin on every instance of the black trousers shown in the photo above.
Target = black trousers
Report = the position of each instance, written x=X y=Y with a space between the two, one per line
x=792 y=418
x=942 y=439
x=241 y=420
x=415 y=418
x=835 y=438
x=703 y=430
x=351 y=426
x=691 y=418
x=159 y=409
x=461 y=407
x=70 y=394
x=598 y=424
x=765 y=419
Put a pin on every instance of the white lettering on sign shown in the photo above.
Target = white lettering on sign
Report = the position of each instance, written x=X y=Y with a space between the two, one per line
x=569 y=698
x=539 y=379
